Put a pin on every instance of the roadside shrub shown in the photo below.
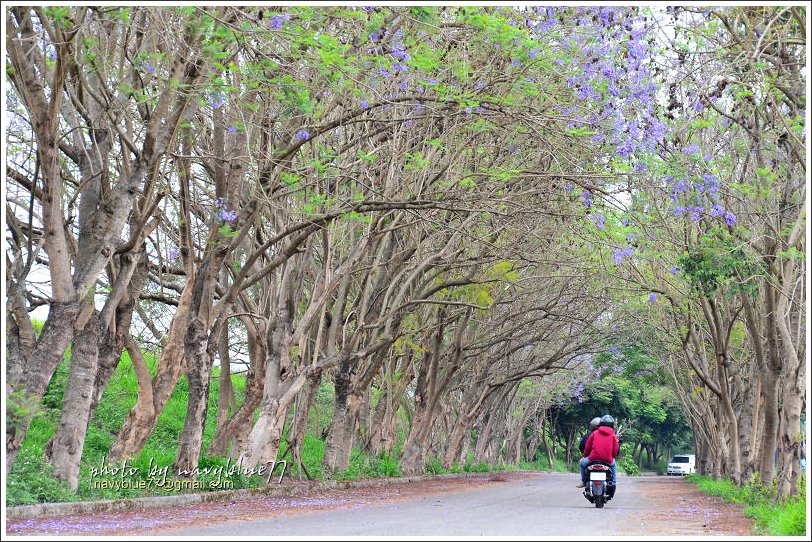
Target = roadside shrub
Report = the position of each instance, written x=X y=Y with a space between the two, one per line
x=789 y=519
x=782 y=518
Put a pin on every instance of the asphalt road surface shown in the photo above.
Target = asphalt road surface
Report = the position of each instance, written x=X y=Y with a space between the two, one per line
x=534 y=505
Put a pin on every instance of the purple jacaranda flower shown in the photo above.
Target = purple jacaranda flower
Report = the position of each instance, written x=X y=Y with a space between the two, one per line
x=692 y=150
x=599 y=220
x=679 y=210
x=216 y=100
x=228 y=216
x=652 y=297
x=587 y=198
x=400 y=53
x=374 y=36
x=383 y=72
x=408 y=123
x=657 y=130
x=468 y=110
x=368 y=8
x=637 y=49
x=398 y=67
x=403 y=85
x=617 y=256
x=231 y=130
x=568 y=187
x=147 y=67
x=613 y=350
x=365 y=104
x=532 y=54
x=730 y=218
x=174 y=253
x=696 y=213
x=624 y=221
x=277 y=22
x=613 y=91
x=219 y=202
x=302 y=135
x=625 y=149
x=717 y=210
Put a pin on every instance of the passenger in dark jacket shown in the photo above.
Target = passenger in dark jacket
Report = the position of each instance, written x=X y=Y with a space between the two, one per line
x=593 y=425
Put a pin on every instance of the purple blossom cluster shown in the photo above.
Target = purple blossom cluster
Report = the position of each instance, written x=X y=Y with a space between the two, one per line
x=611 y=78
x=697 y=199
x=620 y=254
x=576 y=389
x=224 y=214
x=216 y=99
x=278 y=21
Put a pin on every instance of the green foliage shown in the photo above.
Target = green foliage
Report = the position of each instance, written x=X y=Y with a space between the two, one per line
x=627 y=463
x=362 y=466
x=717 y=262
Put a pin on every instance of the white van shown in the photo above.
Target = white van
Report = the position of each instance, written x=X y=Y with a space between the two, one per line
x=681 y=465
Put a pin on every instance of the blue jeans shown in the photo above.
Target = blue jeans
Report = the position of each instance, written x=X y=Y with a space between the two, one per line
x=585 y=462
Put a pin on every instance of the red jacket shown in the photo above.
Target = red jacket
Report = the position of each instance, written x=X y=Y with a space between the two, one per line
x=602 y=445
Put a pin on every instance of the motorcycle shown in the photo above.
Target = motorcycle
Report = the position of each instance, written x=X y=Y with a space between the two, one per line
x=599 y=488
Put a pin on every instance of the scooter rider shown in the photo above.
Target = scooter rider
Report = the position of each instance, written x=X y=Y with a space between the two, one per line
x=602 y=445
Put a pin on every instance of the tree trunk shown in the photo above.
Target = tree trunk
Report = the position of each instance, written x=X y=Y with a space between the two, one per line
x=301 y=416
x=198 y=369
x=22 y=403
x=225 y=397
x=235 y=429
x=64 y=451
x=139 y=424
x=334 y=461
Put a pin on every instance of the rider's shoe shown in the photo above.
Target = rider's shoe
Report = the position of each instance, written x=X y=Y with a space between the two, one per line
x=581 y=485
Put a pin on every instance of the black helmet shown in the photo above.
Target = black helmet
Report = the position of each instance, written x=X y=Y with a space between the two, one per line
x=594 y=423
x=608 y=421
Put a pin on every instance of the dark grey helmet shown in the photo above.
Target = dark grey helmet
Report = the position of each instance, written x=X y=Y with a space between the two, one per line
x=594 y=423
x=608 y=421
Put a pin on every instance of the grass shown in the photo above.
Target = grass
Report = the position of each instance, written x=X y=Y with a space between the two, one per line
x=782 y=518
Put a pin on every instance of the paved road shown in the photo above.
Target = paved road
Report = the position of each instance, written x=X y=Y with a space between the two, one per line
x=537 y=506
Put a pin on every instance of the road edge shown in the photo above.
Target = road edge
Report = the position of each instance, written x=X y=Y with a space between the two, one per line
x=29 y=511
